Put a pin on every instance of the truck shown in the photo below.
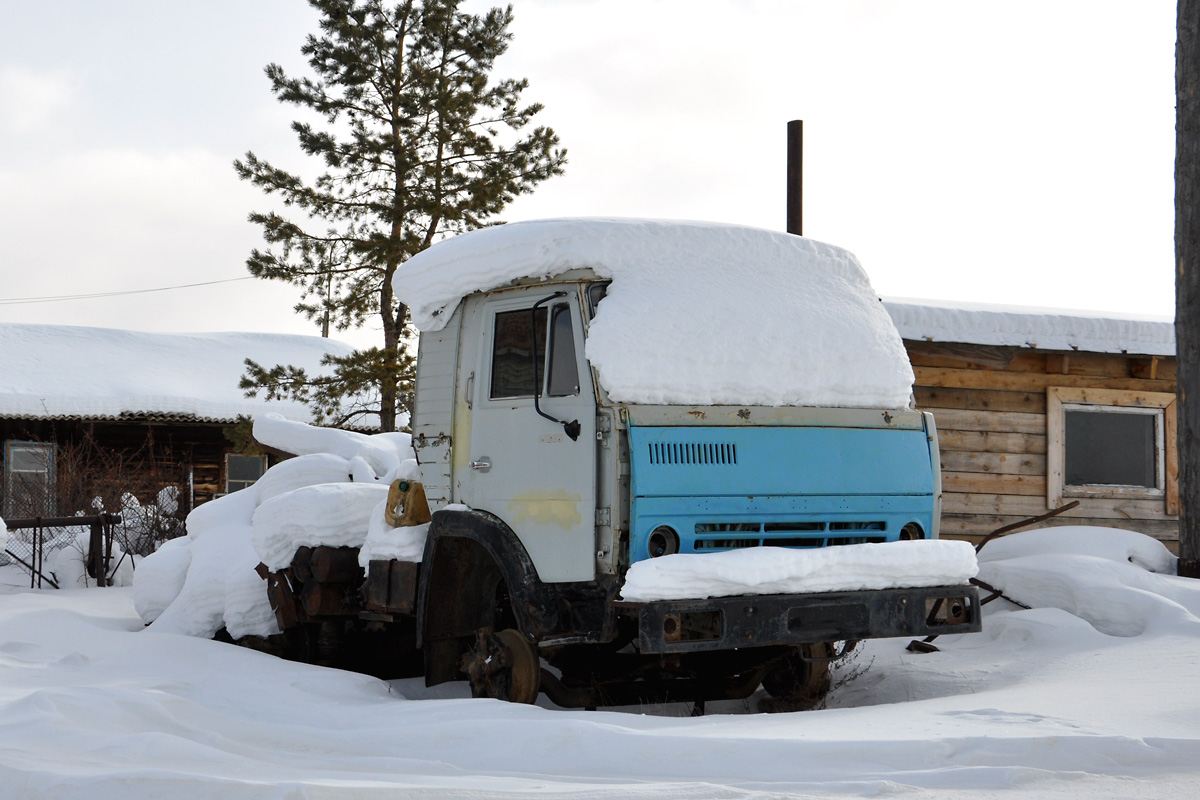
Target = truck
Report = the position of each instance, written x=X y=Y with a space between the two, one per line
x=550 y=468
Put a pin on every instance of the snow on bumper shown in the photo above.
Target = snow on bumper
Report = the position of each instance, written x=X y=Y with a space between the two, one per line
x=777 y=570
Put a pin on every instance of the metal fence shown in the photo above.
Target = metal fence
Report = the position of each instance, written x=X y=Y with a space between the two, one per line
x=31 y=540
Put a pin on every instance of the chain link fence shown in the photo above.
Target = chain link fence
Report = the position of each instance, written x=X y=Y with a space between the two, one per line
x=136 y=496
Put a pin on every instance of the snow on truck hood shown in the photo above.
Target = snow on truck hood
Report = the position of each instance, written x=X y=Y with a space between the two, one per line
x=697 y=314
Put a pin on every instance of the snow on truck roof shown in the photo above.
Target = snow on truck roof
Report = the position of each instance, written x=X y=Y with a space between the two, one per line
x=697 y=313
x=68 y=372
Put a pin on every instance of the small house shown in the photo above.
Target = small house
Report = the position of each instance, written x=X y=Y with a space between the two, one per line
x=1039 y=408
x=84 y=410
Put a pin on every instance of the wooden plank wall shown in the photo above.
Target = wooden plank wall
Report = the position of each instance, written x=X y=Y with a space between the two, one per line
x=182 y=447
x=990 y=408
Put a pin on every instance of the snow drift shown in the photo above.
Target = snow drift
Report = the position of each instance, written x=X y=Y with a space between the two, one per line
x=328 y=494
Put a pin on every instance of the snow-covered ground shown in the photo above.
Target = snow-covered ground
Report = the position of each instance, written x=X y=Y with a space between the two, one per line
x=1089 y=694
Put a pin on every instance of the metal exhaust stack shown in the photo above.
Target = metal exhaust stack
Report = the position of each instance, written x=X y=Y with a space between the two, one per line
x=795 y=177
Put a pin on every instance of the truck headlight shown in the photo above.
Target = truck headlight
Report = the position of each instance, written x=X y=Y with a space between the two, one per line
x=662 y=542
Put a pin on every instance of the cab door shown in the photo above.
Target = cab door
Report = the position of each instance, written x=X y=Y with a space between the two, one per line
x=531 y=456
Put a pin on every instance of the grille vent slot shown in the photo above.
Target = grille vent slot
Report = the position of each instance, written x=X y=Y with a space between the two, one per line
x=714 y=453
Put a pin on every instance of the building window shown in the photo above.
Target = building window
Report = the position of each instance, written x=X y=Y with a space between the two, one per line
x=28 y=479
x=243 y=471
x=1107 y=443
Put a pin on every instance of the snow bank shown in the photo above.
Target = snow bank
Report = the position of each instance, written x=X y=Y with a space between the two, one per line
x=327 y=514
x=384 y=542
x=697 y=313
x=1045 y=328
x=68 y=564
x=775 y=570
x=49 y=371
x=1121 y=583
x=1114 y=544
x=206 y=580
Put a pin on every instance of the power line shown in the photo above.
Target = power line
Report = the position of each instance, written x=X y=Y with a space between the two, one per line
x=12 y=301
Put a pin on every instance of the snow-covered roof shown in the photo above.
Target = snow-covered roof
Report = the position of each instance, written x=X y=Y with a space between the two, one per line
x=698 y=313
x=1024 y=326
x=64 y=372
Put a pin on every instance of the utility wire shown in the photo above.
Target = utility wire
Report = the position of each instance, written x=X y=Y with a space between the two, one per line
x=13 y=301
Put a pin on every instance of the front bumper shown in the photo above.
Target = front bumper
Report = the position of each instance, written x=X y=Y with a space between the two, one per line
x=725 y=623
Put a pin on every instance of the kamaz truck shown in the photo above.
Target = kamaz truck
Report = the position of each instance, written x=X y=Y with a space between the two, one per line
x=547 y=484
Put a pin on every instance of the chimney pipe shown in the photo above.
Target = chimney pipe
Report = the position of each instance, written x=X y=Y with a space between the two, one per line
x=795 y=177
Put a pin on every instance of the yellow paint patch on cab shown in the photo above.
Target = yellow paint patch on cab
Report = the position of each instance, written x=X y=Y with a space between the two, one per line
x=461 y=452
x=554 y=507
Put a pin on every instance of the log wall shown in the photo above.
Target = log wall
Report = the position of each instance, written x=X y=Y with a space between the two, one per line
x=185 y=451
x=990 y=407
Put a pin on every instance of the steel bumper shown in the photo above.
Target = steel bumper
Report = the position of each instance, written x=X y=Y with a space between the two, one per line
x=724 y=623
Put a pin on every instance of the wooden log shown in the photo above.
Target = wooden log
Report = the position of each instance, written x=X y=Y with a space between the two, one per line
x=1028 y=381
x=988 y=442
x=391 y=587
x=335 y=564
x=931 y=398
x=326 y=600
x=953 y=419
x=990 y=483
x=1031 y=506
x=1000 y=463
x=1156 y=367
x=976 y=526
x=953 y=354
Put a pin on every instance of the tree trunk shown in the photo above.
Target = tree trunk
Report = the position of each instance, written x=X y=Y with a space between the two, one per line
x=1187 y=279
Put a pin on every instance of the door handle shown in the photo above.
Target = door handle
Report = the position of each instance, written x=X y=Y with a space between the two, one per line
x=483 y=465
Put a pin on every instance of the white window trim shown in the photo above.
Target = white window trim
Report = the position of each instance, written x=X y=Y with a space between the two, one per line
x=1061 y=399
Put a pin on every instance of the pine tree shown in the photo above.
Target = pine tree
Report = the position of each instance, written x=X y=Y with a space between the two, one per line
x=416 y=142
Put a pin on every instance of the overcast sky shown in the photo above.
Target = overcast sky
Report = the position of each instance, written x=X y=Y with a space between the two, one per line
x=1017 y=152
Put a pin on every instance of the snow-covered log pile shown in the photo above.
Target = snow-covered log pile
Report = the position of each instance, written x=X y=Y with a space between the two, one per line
x=332 y=493
x=1122 y=583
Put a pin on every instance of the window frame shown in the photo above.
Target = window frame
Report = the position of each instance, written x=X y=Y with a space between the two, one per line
x=539 y=363
x=51 y=474
x=228 y=456
x=1060 y=400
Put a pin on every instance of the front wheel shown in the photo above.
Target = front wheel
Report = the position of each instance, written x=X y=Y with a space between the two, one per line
x=503 y=665
x=798 y=682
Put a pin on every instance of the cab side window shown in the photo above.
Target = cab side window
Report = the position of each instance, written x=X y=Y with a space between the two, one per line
x=513 y=371
x=564 y=368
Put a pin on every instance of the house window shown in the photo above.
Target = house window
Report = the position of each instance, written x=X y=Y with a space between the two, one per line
x=1106 y=443
x=28 y=479
x=243 y=471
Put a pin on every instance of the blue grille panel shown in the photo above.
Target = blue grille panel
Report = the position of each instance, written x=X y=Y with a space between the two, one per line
x=728 y=488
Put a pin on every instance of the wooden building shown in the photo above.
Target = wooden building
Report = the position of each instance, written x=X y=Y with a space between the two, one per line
x=1038 y=408
x=88 y=412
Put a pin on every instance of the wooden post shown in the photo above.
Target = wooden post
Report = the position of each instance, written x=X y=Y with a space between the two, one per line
x=795 y=177
x=1187 y=279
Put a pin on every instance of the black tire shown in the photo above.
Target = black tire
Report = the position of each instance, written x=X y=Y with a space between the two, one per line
x=504 y=666
x=799 y=685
